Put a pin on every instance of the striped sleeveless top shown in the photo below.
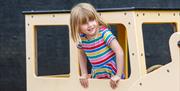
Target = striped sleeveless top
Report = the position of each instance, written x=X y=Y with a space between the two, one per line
x=99 y=53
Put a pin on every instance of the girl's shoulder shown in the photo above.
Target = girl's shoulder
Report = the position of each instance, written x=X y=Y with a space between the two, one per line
x=103 y=29
x=82 y=35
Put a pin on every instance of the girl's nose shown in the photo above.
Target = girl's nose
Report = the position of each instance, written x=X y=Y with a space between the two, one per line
x=90 y=24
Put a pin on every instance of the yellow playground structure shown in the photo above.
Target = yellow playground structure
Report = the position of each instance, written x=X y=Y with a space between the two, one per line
x=129 y=23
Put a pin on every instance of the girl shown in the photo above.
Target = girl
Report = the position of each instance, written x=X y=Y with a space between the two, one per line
x=96 y=44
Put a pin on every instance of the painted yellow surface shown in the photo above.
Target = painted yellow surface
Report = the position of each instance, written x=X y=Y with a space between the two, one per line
x=129 y=26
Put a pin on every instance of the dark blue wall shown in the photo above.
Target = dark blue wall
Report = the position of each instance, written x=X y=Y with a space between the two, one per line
x=12 y=32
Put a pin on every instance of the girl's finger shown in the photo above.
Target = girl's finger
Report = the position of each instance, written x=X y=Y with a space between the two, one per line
x=82 y=82
x=117 y=81
x=85 y=83
x=113 y=84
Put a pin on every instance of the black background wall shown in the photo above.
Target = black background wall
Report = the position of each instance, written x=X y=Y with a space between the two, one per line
x=12 y=32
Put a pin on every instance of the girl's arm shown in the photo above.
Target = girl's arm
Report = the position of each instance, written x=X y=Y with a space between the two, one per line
x=83 y=67
x=83 y=63
x=115 y=46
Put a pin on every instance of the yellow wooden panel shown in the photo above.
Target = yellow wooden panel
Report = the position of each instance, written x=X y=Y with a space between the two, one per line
x=130 y=33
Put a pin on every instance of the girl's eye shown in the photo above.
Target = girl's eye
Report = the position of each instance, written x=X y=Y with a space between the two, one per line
x=84 y=23
x=91 y=20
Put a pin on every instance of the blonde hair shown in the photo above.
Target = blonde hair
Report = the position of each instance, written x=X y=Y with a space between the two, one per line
x=81 y=14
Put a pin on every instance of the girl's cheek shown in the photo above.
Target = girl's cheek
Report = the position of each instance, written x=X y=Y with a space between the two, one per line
x=97 y=22
x=81 y=28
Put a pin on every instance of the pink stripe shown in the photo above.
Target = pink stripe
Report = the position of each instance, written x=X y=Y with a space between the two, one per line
x=102 y=60
x=112 y=66
x=112 y=62
x=92 y=44
x=102 y=57
x=100 y=76
x=93 y=47
x=102 y=28
x=109 y=40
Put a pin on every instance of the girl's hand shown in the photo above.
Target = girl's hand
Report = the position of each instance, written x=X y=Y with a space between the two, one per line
x=114 y=81
x=84 y=80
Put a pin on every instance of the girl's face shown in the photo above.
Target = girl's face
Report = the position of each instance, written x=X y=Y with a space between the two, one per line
x=90 y=28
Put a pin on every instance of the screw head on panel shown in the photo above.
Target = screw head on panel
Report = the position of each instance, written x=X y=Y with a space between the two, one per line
x=178 y=43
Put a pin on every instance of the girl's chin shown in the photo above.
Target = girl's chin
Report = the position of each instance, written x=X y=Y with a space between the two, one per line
x=92 y=33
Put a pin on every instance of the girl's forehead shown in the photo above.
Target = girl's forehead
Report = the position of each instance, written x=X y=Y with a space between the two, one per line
x=86 y=16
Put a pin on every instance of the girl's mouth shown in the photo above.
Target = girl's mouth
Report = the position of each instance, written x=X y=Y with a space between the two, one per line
x=91 y=29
